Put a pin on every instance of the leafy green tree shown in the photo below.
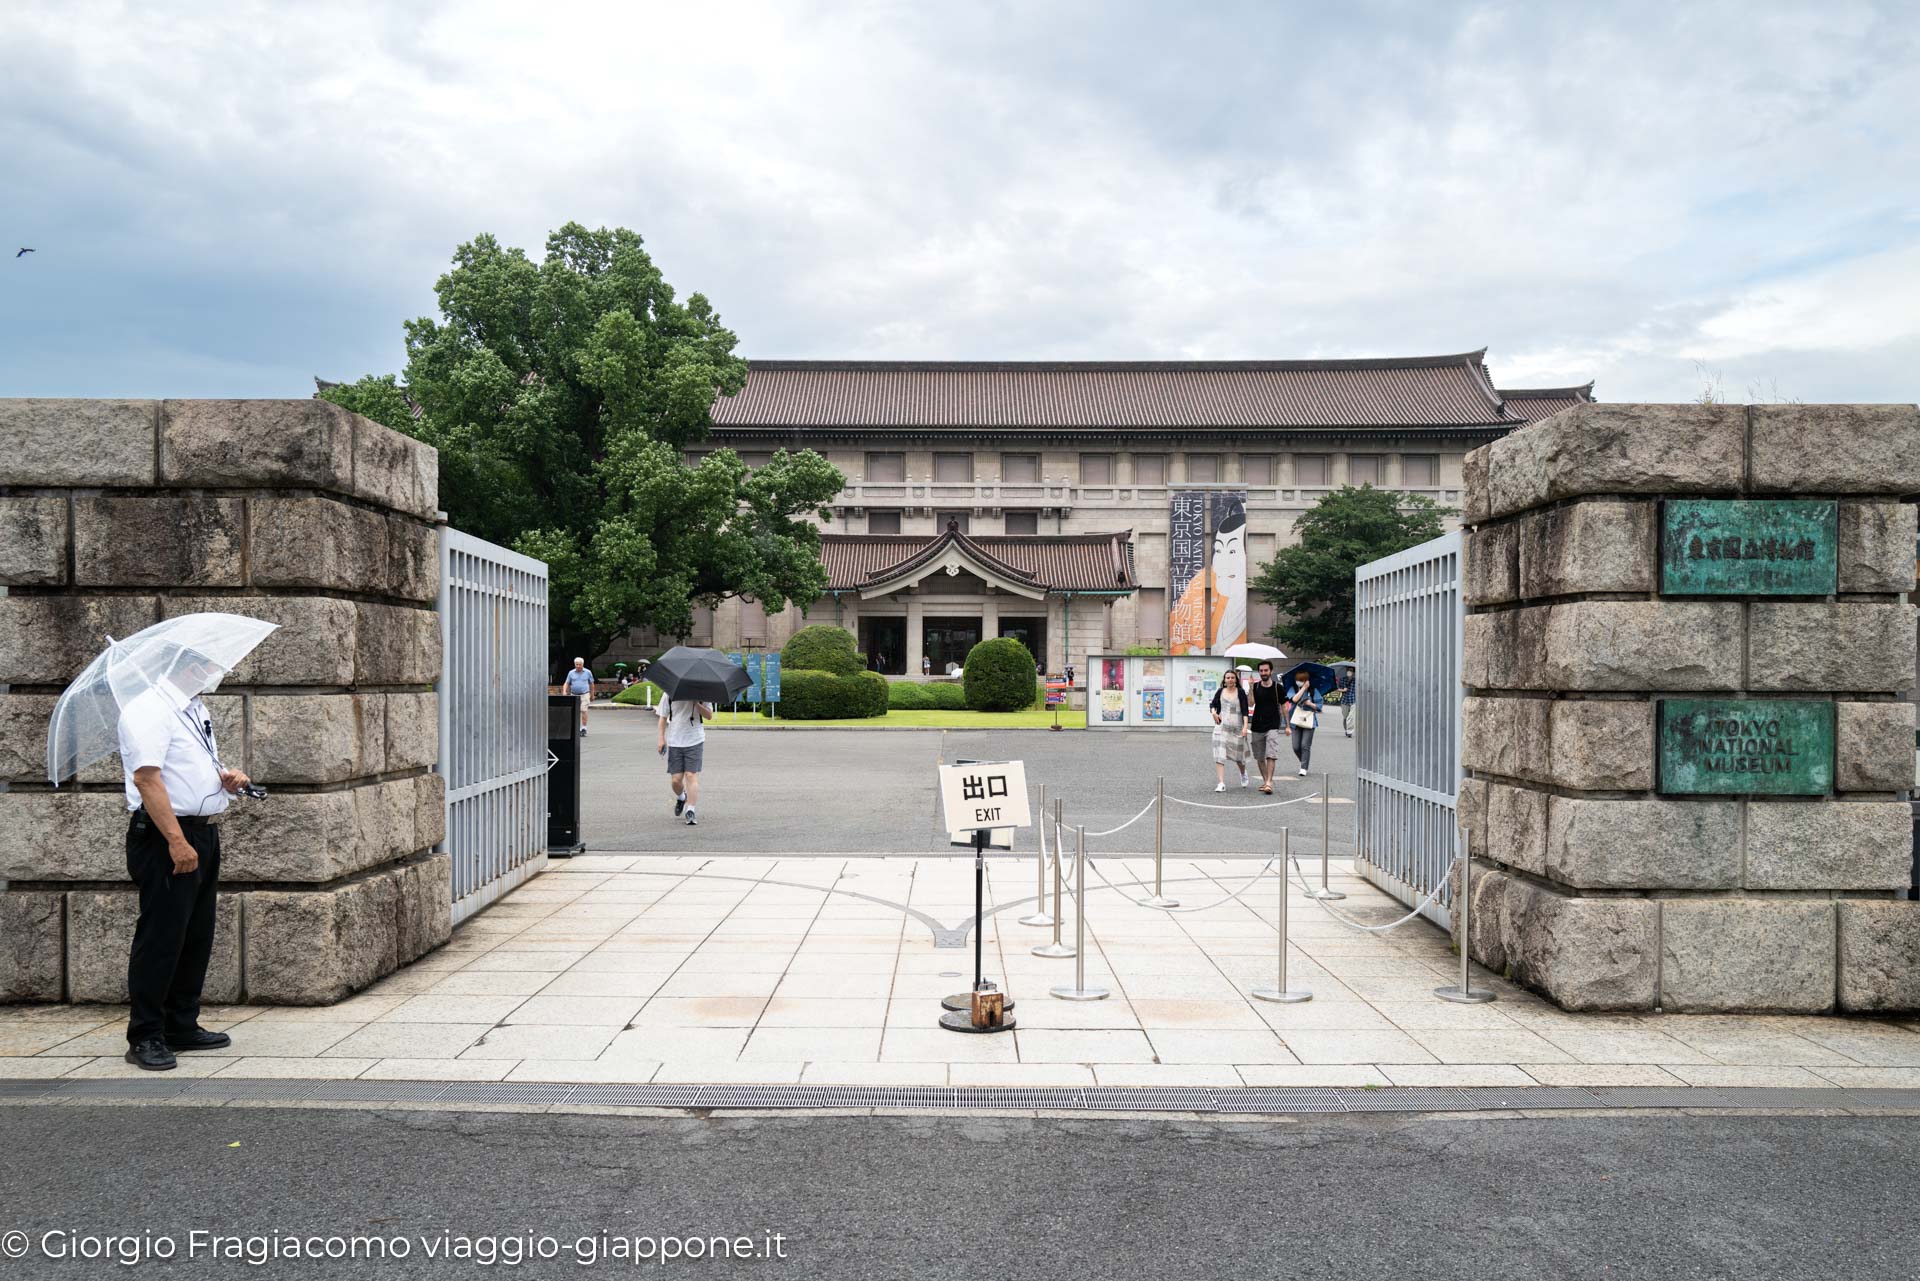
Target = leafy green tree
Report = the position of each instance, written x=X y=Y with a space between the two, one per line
x=1312 y=581
x=561 y=395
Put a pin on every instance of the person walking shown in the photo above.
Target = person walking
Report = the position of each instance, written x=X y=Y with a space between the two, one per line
x=175 y=788
x=683 y=741
x=1232 y=734
x=1304 y=705
x=580 y=685
x=1267 y=724
x=1349 y=686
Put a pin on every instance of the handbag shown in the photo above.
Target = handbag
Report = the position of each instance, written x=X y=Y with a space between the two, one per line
x=1303 y=718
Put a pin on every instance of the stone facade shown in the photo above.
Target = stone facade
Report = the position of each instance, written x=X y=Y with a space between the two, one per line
x=1592 y=886
x=117 y=514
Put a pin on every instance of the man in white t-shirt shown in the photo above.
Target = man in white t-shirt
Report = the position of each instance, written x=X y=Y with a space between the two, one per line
x=579 y=683
x=683 y=740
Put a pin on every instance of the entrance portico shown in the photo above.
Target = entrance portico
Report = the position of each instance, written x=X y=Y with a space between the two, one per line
x=910 y=599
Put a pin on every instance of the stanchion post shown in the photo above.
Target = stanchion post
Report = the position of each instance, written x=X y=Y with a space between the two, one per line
x=1056 y=950
x=1160 y=898
x=1038 y=916
x=1326 y=828
x=1080 y=991
x=1464 y=993
x=1280 y=993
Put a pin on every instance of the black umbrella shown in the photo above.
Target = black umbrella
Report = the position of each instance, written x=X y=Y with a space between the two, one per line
x=699 y=675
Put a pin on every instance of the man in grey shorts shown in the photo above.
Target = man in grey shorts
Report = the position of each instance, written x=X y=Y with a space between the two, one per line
x=683 y=741
x=1268 y=733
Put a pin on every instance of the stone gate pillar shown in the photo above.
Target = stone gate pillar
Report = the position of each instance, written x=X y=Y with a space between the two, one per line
x=1688 y=650
x=116 y=514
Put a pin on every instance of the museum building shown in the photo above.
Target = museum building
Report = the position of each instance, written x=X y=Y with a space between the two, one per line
x=1034 y=498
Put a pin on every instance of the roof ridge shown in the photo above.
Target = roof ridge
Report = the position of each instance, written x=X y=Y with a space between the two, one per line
x=1582 y=389
x=1470 y=358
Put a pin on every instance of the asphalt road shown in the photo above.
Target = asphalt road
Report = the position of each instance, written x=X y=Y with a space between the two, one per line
x=785 y=791
x=1350 y=1197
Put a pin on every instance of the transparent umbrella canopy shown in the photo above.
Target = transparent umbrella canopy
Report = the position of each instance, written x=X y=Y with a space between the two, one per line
x=1254 y=650
x=187 y=655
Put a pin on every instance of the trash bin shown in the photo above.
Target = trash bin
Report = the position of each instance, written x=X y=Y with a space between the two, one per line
x=563 y=779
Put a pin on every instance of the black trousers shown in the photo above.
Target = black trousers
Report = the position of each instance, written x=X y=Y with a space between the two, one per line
x=174 y=937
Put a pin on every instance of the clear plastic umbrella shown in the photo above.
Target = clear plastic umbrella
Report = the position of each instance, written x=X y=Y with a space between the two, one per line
x=1254 y=649
x=188 y=655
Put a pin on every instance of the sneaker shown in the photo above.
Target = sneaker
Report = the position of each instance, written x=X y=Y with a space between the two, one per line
x=583 y=731
x=198 y=1039
x=679 y=803
x=691 y=820
x=1243 y=781
x=153 y=1055
x=1303 y=771
x=1219 y=787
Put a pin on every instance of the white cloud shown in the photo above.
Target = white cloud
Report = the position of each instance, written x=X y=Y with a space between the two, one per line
x=263 y=192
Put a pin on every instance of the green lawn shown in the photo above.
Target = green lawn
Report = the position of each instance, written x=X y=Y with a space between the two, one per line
x=929 y=719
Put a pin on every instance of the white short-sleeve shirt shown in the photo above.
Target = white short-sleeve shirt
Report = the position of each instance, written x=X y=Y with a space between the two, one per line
x=163 y=729
x=684 y=726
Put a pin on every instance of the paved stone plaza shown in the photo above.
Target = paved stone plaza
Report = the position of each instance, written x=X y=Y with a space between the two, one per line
x=631 y=968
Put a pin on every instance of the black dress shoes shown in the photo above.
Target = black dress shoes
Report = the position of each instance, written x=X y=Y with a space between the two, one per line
x=153 y=1055
x=199 y=1039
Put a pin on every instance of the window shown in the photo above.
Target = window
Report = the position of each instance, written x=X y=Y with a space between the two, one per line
x=1203 y=469
x=1096 y=469
x=953 y=469
x=755 y=458
x=1023 y=522
x=1419 y=471
x=1312 y=470
x=883 y=522
x=1366 y=469
x=1020 y=469
x=1149 y=469
x=886 y=468
x=962 y=519
x=696 y=457
x=1257 y=468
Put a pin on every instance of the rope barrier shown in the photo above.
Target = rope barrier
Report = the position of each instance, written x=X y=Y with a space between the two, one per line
x=1129 y=823
x=1270 y=805
x=1201 y=908
x=1376 y=929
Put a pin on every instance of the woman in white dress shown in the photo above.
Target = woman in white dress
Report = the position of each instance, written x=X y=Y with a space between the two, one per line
x=1232 y=737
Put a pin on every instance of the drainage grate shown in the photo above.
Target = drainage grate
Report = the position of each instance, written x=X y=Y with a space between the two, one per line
x=379 y=1091
x=887 y=1096
x=635 y=1096
x=1766 y=1096
x=221 y=1089
x=1005 y=1096
x=15 y=1088
x=1277 y=1099
x=1115 y=1098
x=1866 y=1097
x=498 y=1092
x=1487 y=1098
x=137 y=1088
x=1656 y=1096
x=1404 y=1099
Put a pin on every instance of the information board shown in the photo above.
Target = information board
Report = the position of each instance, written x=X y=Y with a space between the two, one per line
x=984 y=794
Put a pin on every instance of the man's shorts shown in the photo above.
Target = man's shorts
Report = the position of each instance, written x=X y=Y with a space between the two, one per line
x=1270 y=745
x=685 y=760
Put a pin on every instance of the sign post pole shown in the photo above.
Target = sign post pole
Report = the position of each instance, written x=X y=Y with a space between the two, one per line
x=979 y=797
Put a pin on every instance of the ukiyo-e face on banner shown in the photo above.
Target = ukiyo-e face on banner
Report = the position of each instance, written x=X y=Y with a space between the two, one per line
x=1229 y=573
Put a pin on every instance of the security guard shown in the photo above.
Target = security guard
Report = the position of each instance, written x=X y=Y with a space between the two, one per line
x=176 y=787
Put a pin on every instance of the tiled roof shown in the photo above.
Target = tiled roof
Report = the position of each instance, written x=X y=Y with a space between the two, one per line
x=1420 y=391
x=1535 y=403
x=1058 y=562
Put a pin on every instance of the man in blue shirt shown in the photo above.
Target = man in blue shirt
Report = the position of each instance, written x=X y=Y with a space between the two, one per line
x=580 y=685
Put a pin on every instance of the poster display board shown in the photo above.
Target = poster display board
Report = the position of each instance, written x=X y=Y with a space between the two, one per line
x=1154 y=691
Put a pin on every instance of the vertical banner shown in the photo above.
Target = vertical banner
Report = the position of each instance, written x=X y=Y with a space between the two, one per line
x=1186 y=567
x=1206 y=570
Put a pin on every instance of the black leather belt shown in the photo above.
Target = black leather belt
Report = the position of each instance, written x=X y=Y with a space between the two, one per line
x=186 y=820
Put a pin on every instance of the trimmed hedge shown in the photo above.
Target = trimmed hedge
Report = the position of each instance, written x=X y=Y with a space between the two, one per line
x=917 y=696
x=637 y=693
x=822 y=648
x=823 y=696
x=999 y=676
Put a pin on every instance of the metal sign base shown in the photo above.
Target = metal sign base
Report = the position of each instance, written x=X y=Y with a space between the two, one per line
x=964 y=1023
x=1036 y=918
x=1054 y=951
x=1326 y=894
x=1066 y=993
x=1161 y=900
x=1463 y=996
x=962 y=1003
x=1279 y=997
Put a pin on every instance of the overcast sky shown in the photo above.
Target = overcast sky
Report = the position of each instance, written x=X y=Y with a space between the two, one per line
x=228 y=201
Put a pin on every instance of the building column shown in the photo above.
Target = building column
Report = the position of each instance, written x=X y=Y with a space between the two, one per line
x=1056 y=634
x=916 y=635
x=989 y=616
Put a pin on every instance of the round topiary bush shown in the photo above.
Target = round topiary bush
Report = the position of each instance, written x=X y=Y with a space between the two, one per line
x=822 y=648
x=908 y=696
x=999 y=676
x=873 y=688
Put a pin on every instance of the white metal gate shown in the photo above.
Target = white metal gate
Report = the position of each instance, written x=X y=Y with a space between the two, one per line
x=493 y=716
x=1408 y=625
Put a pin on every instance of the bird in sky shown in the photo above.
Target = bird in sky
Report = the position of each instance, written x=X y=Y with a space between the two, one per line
x=23 y=253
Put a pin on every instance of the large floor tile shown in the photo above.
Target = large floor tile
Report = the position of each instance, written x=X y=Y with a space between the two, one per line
x=1206 y=1046
x=1021 y=1074
x=936 y=1045
x=1361 y=1047
x=1234 y=1015
x=663 y=1043
x=409 y=1040
x=437 y=1007
x=700 y=1011
x=1045 y=1045
x=306 y=1067
x=613 y=1011
x=438 y=1069
x=816 y=1013
x=841 y=1072
x=541 y=1040
x=803 y=1044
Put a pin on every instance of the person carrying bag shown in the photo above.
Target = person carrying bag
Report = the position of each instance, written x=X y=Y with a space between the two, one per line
x=1304 y=705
